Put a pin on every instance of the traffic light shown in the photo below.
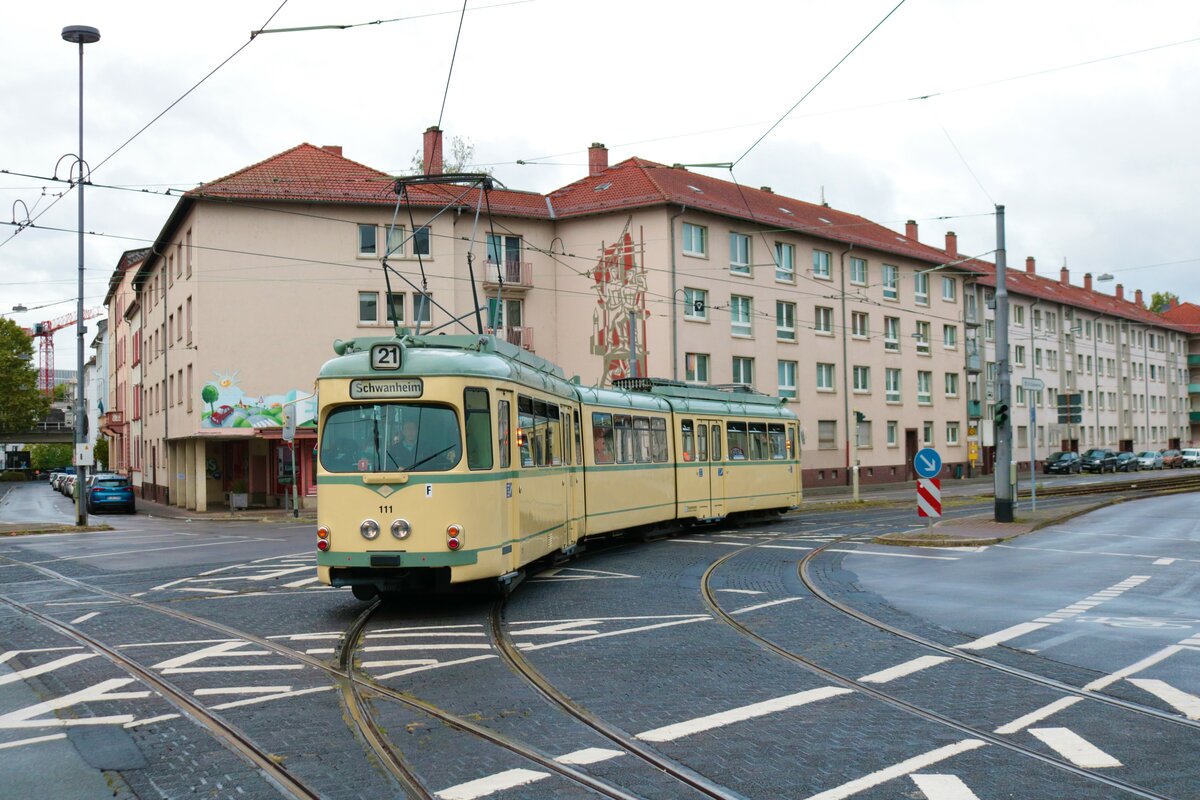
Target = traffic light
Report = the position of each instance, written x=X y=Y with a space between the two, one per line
x=1000 y=417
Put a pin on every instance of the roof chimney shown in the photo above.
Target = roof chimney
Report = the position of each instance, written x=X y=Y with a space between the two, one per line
x=432 y=161
x=1137 y=298
x=336 y=149
x=1030 y=265
x=952 y=244
x=1087 y=281
x=1064 y=276
x=910 y=229
x=1120 y=292
x=597 y=158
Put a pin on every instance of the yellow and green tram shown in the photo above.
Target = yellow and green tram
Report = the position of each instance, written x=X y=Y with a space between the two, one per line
x=449 y=459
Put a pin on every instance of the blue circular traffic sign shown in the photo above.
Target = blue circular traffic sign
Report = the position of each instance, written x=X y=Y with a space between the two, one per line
x=927 y=462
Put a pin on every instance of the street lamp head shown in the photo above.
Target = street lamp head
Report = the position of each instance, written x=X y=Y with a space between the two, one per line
x=80 y=34
x=19 y=307
x=1105 y=277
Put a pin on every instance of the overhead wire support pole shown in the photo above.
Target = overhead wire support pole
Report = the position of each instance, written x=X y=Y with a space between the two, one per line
x=1003 y=429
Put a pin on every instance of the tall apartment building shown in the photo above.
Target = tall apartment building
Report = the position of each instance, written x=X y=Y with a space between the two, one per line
x=1187 y=317
x=635 y=269
x=122 y=422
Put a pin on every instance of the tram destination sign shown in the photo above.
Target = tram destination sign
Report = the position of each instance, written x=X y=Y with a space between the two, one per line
x=385 y=388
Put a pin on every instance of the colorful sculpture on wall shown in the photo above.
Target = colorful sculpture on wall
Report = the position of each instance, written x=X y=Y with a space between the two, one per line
x=619 y=320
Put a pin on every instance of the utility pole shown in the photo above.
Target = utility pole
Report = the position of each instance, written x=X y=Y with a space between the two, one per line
x=1003 y=419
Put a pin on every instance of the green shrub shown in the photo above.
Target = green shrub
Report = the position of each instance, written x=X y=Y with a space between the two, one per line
x=13 y=476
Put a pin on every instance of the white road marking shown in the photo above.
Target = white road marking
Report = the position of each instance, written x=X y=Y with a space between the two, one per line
x=185 y=641
x=943 y=787
x=207 y=590
x=267 y=698
x=571 y=627
x=100 y=692
x=579 y=574
x=42 y=669
x=240 y=668
x=1165 y=562
x=62 y=604
x=1187 y=704
x=385 y=648
x=897 y=770
x=149 y=720
x=438 y=665
x=1075 y=748
x=1133 y=669
x=5 y=656
x=993 y=639
x=891 y=555
x=415 y=662
x=242 y=690
x=225 y=542
x=302 y=581
x=35 y=740
x=84 y=618
x=907 y=668
x=639 y=629
x=481 y=787
x=670 y=733
x=739 y=591
x=1021 y=723
x=784 y=547
x=588 y=755
x=223 y=649
x=748 y=609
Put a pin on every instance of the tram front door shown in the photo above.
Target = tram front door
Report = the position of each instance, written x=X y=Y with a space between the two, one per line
x=716 y=467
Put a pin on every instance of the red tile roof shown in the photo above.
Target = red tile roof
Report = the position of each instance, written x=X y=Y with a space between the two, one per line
x=1186 y=316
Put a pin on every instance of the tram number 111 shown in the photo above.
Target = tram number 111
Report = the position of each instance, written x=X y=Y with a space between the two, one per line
x=385 y=509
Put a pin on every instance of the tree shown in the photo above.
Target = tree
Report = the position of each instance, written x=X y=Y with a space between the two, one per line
x=59 y=393
x=1161 y=301
x=100 y=453
x=209 y=394
x=462 y=152
x=22 y=406
x=50 y=456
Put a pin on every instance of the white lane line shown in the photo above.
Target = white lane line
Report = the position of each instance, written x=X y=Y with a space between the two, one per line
x=6 y=655
x=439 y=665
x=224 y=543
x=242 y=690
x=897 y=770
x=482 y=787
x=907 y=668
x=1133 y=669
x=588 y=755
x=240 y=668
x=224 y=649
x=784 y=547
x=184 y=641
x=891 y=555
x=249 y=701
x=739 y=591
x=1075 y=748
x=1021 y=723
x=413 y=662
x=302 y=582
x=207 y=591
x=748 y=609
x=993 y=639
x=1165 y=562
x=387 y=648
x=42 y=669
x=1187 y=704
x=669 y=733
x=426 y=634
x=84 y=618
x=84 y=603
x=638 y=629
x=149 y=720
x=34 y=740
x=943 y=787
x=100 y=692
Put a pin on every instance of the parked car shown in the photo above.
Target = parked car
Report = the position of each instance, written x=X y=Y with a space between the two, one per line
x=1064 y=462
x=1150 y=459
x=1097 y=460
x=109 y=491
x=68 y=486
x=1172 y=459
x=1191 y=457
x=1128 y=462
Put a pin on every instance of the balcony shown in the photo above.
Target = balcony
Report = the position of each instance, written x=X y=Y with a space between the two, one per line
x=522 y=336
x=1194 y=388
x=974 y=357
x=517 y=275
x=974 y=409
x=1194 y=360
x=1194 y=416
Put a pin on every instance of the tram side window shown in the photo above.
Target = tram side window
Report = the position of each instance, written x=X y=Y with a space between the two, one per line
x=658 y=440
x=623 y=424
x=758 y=441
x=641 y=439
x=702 y=442
x=479 y=428
x=737 y=440
x=778 y=441
x=578 y=440
x=553 y=435
x=502 y=422
x=525 y=430
x=687 y=434
x=602 y=437
x=716 y=442
x=791 y=442
x=565 y=416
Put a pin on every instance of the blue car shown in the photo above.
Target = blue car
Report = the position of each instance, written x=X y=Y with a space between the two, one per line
x=107 y=492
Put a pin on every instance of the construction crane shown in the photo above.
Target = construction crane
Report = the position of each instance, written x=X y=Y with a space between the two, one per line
x=44 y=333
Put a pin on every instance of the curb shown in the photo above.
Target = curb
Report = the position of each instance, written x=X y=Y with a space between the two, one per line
x=57 y=529
x=905 y=541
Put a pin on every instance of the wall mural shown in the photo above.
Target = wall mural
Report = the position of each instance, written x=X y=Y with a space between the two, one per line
x=226 y=405
x=620 y=283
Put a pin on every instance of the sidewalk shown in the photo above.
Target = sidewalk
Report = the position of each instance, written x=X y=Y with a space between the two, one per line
x=982 y=529
x=162 y=511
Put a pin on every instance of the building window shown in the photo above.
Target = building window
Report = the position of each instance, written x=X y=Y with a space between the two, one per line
x=924 y=387
x=695 y=304
x=951 y=384
x=506 y=315
x=949 y=289
x=366 y=241
x=824 y=377
x=860 y=324
x=893 y=433
x=923 y=335
x=827 y=434
x=927 y=432
x=1018 y=316
x=891 y=282
x=787 y=378
x=1019 y=355
x=740 y=309
x=989 y=329
x=858 y=271
x=950 y=337
x=739 y=254
x=785 y=262
x=189 y=388
x=921 y=288
x=891 y=334
x=394 y=241
x=189 y=320
x=422 y=309
x=862 y=379
x=951 y=433
x=695 y=240
x=395 y=309
x=785 y=321
x=863 y=434
x=696 y=368
x=189 y=252
x=822 y=264
x=422 y=246
x=823 y=320
x=892 y=385
x=743 y=370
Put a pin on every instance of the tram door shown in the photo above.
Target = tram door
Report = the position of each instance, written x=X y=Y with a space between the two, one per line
x=716 y=467
x=510 y=519
x=572 y=449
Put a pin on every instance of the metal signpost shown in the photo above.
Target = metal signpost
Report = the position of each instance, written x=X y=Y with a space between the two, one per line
x=1032 y=385
x=289 y=436
x=928 y=465
x=1070 y=410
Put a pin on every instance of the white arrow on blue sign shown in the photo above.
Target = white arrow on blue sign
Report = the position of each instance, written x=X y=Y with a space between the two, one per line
x=927 y=463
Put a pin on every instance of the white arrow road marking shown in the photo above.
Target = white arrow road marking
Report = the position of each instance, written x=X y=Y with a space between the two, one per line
x=25 y=717
x=907 y=668
x=1187 y=704
x=491 y=784
x=670 y=733
x=897 y=770
x=42 y=669
x=1075 y=748
x=943 y=787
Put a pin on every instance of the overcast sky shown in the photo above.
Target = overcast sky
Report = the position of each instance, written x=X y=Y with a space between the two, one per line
x=1097 y=165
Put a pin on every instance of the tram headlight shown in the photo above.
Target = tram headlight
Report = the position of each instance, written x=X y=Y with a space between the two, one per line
x=401 y=529
x=369 y=529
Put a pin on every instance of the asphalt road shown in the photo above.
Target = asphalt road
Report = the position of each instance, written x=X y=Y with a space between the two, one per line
x=708 y=652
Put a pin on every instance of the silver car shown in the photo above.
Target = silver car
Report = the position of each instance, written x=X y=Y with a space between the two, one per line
x=1148 y=459
x=1191 y=457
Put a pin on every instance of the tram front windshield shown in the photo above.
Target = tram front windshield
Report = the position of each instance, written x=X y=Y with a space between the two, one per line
x=390 y=437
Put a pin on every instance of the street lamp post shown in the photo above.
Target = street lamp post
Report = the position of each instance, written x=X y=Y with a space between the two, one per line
x=80 y=35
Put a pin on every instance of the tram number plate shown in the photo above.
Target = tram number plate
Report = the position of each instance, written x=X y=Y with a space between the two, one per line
x=385 y=356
